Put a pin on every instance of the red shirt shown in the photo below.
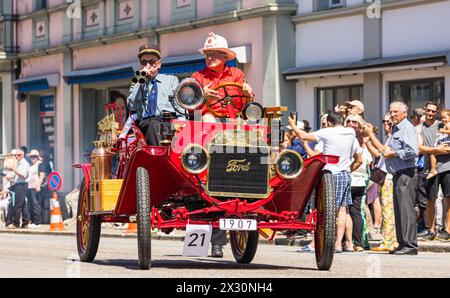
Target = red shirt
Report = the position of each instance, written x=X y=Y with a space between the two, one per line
x=229 y=74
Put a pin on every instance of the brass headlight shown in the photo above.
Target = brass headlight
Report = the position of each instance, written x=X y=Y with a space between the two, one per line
x=289 y=164
x=194 y=159
x=189 y=94
x=253 y=111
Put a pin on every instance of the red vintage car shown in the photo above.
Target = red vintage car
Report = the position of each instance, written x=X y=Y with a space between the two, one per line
x=229 y=175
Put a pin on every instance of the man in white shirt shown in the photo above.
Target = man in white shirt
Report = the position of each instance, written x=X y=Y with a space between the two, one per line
x=20 y=189
x=339 y=141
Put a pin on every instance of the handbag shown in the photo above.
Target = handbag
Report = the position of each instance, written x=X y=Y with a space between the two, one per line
x=377 y=175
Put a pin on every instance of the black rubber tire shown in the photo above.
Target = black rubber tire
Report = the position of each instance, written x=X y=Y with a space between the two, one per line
x=244 y=255
x=143 y=208
x=325 y=234
x=92 y=226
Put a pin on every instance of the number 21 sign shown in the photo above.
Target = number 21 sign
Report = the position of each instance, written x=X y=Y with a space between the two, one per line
x=196 y=242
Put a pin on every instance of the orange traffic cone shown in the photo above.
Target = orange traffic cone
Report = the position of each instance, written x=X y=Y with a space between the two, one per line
x=132 y=228
x=56 y=221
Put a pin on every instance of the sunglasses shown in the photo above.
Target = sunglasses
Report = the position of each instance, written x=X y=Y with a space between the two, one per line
x=213 y=54
x=151 y=62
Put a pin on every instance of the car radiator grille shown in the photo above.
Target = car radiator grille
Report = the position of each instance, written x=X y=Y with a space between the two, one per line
x=238 y=171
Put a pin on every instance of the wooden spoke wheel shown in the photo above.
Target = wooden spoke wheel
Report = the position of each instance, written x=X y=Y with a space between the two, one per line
x=325 y=233
x=244 y=245
x=88 y=227
x=225 y=101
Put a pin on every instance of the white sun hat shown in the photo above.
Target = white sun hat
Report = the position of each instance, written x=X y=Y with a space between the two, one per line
x=216 y=42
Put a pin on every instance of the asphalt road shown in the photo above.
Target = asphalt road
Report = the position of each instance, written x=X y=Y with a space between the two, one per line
x=56 y=256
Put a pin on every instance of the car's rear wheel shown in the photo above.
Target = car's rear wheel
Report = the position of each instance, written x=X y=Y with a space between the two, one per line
x=143 y=208
x=325 y=234
x=244 y=245
x=88 y=227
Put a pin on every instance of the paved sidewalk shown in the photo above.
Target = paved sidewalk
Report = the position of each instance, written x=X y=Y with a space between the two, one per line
x=110 y=232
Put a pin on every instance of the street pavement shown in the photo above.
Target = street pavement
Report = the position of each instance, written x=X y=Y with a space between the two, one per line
x=26 y=255
x=109 y=231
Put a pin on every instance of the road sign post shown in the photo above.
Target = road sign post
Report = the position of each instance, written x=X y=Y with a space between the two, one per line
x=54 y=185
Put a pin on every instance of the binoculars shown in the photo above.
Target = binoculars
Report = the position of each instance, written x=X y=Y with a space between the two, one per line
x=140 y=77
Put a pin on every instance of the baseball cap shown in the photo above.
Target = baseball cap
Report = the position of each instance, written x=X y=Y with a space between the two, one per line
x=356 y=103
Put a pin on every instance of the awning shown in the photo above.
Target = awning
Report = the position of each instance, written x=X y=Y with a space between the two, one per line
x=174 y=65
x=370 y=65
x=38 y=83
x=186 y=64
x=118 y=72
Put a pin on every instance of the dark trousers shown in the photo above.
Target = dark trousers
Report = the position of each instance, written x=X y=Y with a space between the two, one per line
x=151 y=129
x=421 y=198
x=219 y=237
x=34 y=204
x=355 y=214
x=9 y=214
x=405 y=185
x=20 y=205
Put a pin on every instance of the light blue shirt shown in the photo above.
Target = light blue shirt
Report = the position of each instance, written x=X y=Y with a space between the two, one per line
x=138 y=101
x=404 y=141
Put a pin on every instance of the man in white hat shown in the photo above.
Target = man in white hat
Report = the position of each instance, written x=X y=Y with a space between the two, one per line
x=34 y=203
x=217 y=72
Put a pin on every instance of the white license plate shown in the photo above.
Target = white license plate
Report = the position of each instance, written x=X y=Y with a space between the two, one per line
x=235 y=224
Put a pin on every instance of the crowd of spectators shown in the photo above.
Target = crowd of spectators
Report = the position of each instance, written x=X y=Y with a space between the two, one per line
x=384 y=190
x=24 y=188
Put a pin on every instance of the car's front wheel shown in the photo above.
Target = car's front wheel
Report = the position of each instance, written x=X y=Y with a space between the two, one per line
x=244 y=245
x=143 y=208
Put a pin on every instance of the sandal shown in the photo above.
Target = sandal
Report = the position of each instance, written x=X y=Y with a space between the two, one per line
x=358 y=249
x=306 y=248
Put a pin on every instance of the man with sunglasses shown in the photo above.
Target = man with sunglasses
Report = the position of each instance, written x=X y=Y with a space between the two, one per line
x=428 y=136
x=20 y=188
x=148 y=101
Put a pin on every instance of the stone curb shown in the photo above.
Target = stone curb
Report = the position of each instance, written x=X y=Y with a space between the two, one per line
x=436 y=246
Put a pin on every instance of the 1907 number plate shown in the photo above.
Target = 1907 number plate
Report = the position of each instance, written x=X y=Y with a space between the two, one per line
x=235 y=224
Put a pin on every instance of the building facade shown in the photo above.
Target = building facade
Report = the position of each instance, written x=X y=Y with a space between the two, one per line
x=62 y=61
x=8 y=51
x=376 y=52
x=77 y=56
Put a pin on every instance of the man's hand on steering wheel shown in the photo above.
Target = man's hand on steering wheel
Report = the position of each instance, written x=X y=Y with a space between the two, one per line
x=211 y=94
x=247 y=90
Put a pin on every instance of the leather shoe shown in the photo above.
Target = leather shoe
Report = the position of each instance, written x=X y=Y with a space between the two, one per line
x=406 y=251
x=217 y=251
x=391 y=252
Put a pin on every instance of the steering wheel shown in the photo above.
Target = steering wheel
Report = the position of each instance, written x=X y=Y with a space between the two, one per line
x=226 y=101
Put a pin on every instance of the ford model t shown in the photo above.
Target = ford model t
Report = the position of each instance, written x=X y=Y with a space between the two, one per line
x=230 y=175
